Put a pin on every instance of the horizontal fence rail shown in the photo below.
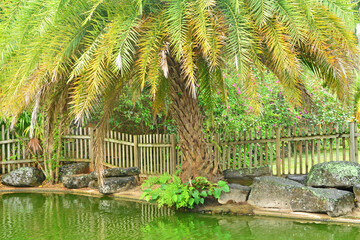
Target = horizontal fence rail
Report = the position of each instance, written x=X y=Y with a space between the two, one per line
x=289 y=150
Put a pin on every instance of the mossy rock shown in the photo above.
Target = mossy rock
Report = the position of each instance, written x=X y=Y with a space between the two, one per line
x=23 y=177
x=76 y=181
x=279 y=193
x=343 y=175
x=245 y=176
x=118 y=172
x=73 y=169
x=117 y=184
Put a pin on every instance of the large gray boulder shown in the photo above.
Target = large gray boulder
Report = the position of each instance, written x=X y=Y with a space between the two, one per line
x=276 y=192
x=245 y=176
x=301 y=178
x=335 y=174
x=332 y=201
x=356 y=190
x=237 y=194
x=118 y=172
x=272 y=192
x=76 y=181
x=117 y=184
x=73 y=169
x=23 y=177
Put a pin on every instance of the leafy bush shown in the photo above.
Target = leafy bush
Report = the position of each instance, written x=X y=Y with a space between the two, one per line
x=172 y=192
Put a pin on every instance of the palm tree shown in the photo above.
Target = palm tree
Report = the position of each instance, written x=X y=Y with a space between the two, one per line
x=178 y=49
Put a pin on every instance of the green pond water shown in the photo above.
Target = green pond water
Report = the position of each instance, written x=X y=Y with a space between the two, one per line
x=57 y=216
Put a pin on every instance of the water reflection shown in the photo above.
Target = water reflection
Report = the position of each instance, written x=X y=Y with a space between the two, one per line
x=53 y=216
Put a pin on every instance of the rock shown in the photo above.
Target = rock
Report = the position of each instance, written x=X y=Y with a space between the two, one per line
x=76 y=181
x=335 y=174
x=272 y=192
x=334 y=202
x=245 y=176
x=237 y=194
x=298 y=178
x=73 y=169
x=116 y=184
x=118 y=172
x=276 y=192
x=24 y=177
x=356 y=190
x=93 y=184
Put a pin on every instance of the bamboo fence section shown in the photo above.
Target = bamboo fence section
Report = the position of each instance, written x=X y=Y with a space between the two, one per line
x=290 y=150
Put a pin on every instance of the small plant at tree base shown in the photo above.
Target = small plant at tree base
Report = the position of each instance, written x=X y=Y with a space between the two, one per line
x=172 y=192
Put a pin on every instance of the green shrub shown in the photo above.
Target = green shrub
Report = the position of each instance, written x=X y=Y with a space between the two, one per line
x=170 y=191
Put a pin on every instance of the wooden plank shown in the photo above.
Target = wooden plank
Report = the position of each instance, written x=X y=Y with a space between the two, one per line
x=325 y=143
x=307 y=151
x=278 y=142
x=343 y=143
x=162 y=163
x=337 y=143
x=289 y=151
x=295 y=151
x=261 y=136
x=255 y=149
x=173 y=145
x=234 y=151
x=318 y=144
x=216 y=149
x=141 y=159
x=123 y=151
x=13 y=162
x=223 y=148
x=76 y=147
x=124 y=142
x=266 y=149
x=271 y=152
x=8 y=148
x=136 y=151
x=168 y=149
x=356 y=144
x=116 y=147
x=3 y=147
x=312 y=147
x=352 y=141
x=131 y=149
x=300 y=145
x=112 y=150
x=86 y=144
x=75 y=137
x=81 y=143
x=151 y=159
x=147 y=156
x=331 y=144
x=245 y=157
x=283 y=152
x=120 y=147
x=250 y=149
x=158 y=167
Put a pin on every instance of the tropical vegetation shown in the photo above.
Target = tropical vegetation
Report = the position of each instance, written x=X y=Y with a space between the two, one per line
x=67 y=58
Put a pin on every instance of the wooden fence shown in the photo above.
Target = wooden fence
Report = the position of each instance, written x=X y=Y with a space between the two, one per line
x=291 y=150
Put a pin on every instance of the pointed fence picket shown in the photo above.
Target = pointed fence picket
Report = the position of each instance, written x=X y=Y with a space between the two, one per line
x=287 y=150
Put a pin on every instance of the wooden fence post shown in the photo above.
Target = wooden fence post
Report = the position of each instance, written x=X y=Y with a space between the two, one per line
x=91 y=149
x=217 y=152
x=173 y=153
x=3 y=147
x=136 y=151
x=278 y=142
x=356 y=143
x=352 y=141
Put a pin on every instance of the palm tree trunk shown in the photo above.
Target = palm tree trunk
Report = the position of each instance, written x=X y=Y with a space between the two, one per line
x=189 y=120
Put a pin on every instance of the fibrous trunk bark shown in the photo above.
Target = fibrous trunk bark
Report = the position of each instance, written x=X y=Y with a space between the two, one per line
x=189 y=120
